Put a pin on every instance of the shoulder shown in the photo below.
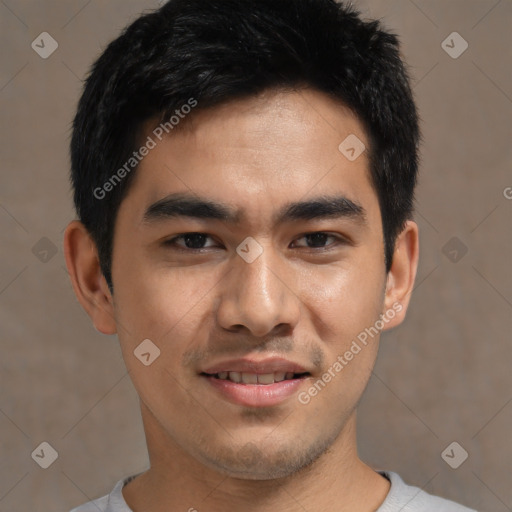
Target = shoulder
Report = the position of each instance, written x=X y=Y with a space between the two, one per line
x=99 y=505
x=408 y=498
x=113 y=502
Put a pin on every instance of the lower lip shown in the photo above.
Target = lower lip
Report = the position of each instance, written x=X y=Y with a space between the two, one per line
x=256 y=395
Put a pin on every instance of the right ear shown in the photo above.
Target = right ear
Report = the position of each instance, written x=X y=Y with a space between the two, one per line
x=88 y=282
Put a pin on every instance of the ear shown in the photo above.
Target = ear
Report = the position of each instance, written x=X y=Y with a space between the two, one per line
x=88 y=282
x=401 y=276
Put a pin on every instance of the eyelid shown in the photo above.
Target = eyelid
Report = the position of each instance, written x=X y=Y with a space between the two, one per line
x=180 y=236
x=340 y=239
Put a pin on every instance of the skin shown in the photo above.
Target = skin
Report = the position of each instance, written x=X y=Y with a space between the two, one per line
x=297 y=300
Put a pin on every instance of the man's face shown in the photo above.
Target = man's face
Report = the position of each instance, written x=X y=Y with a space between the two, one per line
x=287 y=301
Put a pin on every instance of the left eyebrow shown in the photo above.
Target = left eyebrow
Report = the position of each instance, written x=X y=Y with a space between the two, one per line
x=187 y=205
x=323 y=207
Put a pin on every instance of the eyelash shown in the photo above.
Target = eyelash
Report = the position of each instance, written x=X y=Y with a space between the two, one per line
x=172 y=241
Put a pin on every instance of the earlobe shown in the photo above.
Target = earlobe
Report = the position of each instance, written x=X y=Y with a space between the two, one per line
x=402 y=275
x=88 y=282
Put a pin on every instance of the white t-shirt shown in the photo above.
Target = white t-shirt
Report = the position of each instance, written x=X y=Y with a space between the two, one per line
x=401 y=498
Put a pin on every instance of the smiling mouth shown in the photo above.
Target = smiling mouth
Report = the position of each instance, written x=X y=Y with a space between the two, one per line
x=256 y=378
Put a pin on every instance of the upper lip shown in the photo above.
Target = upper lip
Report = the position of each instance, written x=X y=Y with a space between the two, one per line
x=268 y=365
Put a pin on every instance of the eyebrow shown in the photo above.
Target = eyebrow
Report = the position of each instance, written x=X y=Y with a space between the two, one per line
x=187 y=205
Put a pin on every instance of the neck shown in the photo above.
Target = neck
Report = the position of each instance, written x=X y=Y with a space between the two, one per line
x=337 y=480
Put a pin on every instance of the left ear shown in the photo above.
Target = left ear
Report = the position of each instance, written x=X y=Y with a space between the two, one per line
x=401 y=276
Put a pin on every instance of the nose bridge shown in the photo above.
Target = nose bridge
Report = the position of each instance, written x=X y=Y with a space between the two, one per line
x=257 y=296
x=258 y=281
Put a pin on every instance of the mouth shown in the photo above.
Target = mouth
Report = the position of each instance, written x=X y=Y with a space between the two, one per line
x=255 y=389
x=264 y=379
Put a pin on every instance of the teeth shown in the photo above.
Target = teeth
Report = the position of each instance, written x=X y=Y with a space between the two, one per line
x=253 y=378
x=234 y=376
x=266 y=378
x=249 y=378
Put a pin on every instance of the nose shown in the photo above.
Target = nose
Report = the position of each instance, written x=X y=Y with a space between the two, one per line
x=259 y=296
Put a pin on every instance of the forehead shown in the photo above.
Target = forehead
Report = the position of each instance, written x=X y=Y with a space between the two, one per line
x=258 y=153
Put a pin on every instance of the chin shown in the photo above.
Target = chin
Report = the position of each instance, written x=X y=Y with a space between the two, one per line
x=253 y=462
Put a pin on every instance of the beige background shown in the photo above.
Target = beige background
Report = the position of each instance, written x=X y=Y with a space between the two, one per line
x=443 y=376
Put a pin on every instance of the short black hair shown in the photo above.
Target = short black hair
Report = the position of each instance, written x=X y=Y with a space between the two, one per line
x=215 y=51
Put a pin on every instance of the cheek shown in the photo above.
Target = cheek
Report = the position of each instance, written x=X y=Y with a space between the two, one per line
x=168 y=307
x=158 y=301
x=343 y=300
x=344 y=307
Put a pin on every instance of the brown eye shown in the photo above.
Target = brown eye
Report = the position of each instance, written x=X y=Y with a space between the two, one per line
x=319 y=239
x=192 y=241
